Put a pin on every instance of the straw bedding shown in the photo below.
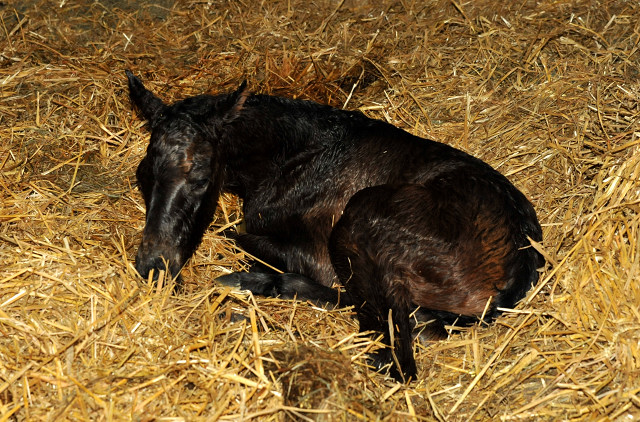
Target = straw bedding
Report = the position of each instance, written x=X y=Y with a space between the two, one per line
x=546 y=91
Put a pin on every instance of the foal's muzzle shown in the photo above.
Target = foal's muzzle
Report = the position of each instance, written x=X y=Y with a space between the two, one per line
x=149 y=258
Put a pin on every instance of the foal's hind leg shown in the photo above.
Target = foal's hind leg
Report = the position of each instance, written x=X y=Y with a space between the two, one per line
x=389 y=316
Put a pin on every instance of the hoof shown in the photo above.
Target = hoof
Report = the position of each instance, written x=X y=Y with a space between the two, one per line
x=383 y=362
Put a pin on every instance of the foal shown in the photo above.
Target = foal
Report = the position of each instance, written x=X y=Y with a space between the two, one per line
x=333 y=197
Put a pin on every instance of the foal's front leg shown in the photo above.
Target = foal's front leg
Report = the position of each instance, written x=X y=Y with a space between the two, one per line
x=296 y=261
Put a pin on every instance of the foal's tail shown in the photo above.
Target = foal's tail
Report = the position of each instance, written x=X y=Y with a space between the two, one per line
x=525 y=260
x=524 y=275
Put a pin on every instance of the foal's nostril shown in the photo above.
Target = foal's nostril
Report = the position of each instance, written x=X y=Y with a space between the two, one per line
x=142 y=269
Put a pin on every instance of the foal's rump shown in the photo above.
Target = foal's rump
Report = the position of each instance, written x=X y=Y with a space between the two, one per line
x=449 y=244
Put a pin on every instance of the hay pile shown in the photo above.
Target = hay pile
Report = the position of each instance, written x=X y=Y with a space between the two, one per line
x=547 y=92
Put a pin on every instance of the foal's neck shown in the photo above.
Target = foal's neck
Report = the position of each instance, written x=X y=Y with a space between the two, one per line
x=271 y=134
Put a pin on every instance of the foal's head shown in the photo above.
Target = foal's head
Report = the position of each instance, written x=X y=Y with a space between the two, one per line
x=181 y=175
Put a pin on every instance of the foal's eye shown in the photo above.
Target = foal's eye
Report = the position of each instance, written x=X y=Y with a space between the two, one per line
x=201 y=183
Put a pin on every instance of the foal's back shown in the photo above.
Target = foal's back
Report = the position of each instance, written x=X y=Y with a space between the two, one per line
x=279 y=137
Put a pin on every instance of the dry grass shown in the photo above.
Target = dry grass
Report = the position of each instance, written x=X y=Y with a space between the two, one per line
x=545 y=91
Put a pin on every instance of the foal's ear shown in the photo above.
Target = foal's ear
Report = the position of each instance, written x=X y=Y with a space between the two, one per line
x=237 y=100
x=149 y=105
